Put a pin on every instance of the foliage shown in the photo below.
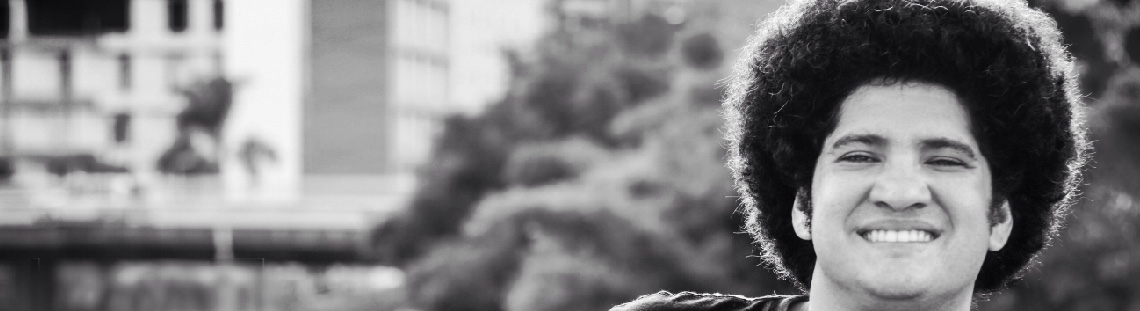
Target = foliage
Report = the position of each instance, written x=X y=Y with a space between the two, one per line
x=6 y=169
x=208 y=105
x=701 y=51
x=572 y=89
x=599 y=177
x=63 y=165
x=1093 y=266
x=539 y=163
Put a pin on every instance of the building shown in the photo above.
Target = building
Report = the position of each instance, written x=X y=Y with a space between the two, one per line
x=101 y=79
x=483 y=31
x=349 y=93
x=335 y=105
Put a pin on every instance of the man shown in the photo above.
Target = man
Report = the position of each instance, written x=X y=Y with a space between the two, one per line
x=901 y=154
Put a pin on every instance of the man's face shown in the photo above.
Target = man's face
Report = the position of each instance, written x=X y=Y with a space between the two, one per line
x=901 y=196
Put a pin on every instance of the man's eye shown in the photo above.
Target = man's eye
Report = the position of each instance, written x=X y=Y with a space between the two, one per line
x=946 y=162
x=858 y=158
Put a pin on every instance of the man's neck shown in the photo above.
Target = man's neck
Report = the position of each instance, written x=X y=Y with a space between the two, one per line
x=829 y=296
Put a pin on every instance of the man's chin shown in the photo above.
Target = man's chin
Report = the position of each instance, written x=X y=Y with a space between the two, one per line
x=896 y=294
x=897 y=290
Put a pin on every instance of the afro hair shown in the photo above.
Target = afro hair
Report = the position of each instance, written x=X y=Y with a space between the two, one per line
x=1003 y=59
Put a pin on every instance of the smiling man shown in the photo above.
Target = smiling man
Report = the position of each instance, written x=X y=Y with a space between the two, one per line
x=901 y=203
x=899 y=155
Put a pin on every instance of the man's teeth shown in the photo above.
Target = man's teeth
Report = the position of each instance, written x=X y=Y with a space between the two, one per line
x=899 y=236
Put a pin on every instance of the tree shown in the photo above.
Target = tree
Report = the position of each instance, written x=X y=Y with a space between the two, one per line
x=208 y=105
x=598 y=178
x=1091 y=265
x=562 y=94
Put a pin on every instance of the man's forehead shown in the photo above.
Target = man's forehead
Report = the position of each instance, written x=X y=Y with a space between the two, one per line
x=902 y=113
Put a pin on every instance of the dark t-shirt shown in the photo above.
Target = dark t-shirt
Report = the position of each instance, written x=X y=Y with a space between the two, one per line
x=686 y=301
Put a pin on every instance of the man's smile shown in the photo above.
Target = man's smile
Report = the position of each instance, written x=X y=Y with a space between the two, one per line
x=898 y=236
x=899 y=231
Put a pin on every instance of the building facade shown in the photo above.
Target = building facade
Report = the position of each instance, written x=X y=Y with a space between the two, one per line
x=330 y=94
x=379 y=86
x=483 y=32
x=101 y=79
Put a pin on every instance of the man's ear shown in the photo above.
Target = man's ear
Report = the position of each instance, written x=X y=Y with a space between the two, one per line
x=999 y=232
x=800 y=220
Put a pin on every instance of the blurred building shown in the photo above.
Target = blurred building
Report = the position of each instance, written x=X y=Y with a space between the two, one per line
x=334 y=104
x=368 y=88
x=100 y=79
x=421 y=86
x=350 y=92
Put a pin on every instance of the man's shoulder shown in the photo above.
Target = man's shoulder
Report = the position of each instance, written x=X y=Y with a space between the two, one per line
x=688 y=301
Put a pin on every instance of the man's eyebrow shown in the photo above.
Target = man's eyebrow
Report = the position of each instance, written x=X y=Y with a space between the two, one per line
x=946 y=143
x=868 y=139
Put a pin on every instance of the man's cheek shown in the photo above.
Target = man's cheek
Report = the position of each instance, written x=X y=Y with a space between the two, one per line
x=966 y=201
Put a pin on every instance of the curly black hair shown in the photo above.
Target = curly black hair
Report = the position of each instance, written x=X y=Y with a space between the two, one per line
x=1004 y=60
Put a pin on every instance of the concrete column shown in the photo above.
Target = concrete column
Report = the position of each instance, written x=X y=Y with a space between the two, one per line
x=17 y=20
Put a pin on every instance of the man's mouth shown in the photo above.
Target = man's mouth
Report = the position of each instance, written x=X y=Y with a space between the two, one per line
x=898 y=236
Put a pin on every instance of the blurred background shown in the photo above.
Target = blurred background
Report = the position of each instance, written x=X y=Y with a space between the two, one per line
x=435 y=155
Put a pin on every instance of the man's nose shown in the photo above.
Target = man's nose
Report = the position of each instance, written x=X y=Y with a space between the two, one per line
x=901 y=186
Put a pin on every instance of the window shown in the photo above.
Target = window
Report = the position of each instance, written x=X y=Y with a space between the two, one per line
x=74 y=17
x=176 y=15
x=219 y=15
x=4 y=19
x=65 y=74
x=121 y=127
x=125 y=77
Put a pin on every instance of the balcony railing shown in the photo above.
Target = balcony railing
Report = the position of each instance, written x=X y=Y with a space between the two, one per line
x=181 y=201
